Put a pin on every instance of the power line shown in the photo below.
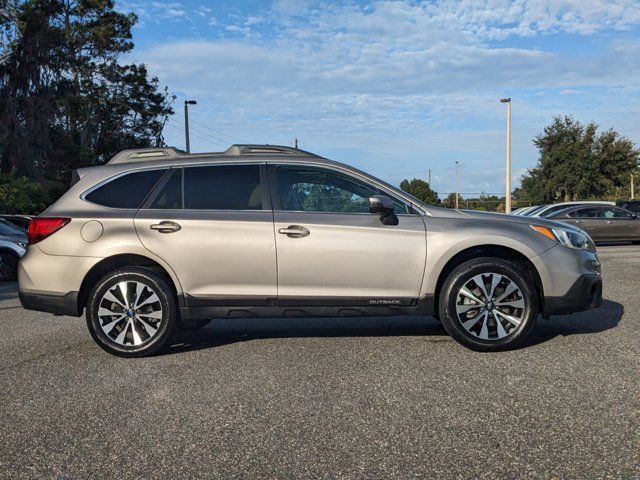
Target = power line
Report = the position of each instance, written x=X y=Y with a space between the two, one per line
x=218 y=131
x=195 y=134
x=222 y=140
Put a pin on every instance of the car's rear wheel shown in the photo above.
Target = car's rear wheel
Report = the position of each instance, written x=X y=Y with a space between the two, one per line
x=132 y=312
x=488 y=304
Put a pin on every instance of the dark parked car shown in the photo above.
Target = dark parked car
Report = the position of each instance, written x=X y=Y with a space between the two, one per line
x=631 y=205
x=20 y=221
x=602 y=223
x=13 y=242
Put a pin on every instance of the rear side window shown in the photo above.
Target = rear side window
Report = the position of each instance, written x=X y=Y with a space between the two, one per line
x=127 y=191
x=223 y=187
x=585 y=213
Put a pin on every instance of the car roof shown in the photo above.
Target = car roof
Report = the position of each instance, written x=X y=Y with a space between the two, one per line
x=573 y=208
x=576 y=203
x=149 y=159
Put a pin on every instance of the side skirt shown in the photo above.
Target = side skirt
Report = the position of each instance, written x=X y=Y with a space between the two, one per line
x=198 y=308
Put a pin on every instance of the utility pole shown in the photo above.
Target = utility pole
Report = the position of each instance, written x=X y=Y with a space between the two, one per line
x=457 y=184
x=186 y=123
x=632 y=192
x=429 y=177
x=507 y=207
x=295 y=141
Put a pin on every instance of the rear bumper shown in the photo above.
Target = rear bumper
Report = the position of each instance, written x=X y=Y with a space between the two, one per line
x=584 y=294
x=57 y=304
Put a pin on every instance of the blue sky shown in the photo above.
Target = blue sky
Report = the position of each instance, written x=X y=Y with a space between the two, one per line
x=394 y=87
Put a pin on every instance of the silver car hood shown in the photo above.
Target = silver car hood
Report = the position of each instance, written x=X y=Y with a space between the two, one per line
x=497 y=217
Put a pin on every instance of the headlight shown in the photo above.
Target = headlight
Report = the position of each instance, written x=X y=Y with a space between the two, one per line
x=568 y=238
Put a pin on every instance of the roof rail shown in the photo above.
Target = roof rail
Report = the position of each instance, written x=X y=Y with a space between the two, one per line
x=143 y=154
x=241 y=149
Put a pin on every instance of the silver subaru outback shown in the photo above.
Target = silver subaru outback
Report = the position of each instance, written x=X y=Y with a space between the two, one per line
x=158 y=239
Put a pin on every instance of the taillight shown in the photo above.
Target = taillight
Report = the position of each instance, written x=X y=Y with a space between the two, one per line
x=41 y=228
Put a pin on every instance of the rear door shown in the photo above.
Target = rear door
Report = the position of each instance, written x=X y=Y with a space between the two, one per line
x=332 y=251
x=213 y=225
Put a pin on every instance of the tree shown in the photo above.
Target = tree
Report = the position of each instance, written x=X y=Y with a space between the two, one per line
x=578 y=163
x=421 y=190
x=450 y=201
x=65 y=99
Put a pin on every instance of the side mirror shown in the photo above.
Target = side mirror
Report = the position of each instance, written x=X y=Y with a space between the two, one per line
x=383 y=206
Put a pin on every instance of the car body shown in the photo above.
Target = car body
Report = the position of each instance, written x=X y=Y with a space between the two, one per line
x=603 y=223
x=13 y=242
x=548 y=210
x=263 y=230
x=20 y=221
x=631 y=205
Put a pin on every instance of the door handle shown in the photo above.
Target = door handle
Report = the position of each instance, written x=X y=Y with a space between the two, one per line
x=166 y=227
x=294 y=231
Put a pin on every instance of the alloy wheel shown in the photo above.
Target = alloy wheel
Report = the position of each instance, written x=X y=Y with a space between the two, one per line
x=490 y=306
x=130 y=313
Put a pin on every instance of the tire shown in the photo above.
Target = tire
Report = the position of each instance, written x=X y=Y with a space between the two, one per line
x=132 y=332
x=510 y=316
x=8 y=266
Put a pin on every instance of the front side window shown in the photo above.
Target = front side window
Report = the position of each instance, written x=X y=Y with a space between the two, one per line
x=614 y=213
x=126 y=191
x=223 y=187
x=312 y=189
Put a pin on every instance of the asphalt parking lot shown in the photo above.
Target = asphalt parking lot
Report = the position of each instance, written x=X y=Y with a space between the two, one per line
x=330 y=398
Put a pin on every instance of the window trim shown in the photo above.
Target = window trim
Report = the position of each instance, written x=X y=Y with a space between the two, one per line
x=106 y=181
x=277 y=202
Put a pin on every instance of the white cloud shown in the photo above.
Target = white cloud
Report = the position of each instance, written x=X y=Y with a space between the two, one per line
x=405 y=85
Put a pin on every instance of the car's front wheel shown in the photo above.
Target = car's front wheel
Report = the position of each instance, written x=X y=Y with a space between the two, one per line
x=488 y=304
x=132 y=312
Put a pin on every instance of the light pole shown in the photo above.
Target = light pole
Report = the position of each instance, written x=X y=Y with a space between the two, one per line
x=186 y=123
x=507 y=207
x=457 y=184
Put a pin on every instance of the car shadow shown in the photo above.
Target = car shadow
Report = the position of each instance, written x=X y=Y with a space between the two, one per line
x=233 y=330
x=606 y=317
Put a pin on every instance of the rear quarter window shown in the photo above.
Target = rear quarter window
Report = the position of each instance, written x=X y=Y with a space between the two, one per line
x=126 y=191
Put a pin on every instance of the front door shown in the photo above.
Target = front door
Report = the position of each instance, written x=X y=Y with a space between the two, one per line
x=213 y=225
x=585 y=218
x=619 y=224
x=331 y=250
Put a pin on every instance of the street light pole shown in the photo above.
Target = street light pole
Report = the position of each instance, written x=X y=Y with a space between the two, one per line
x=457 y=184
x=186 y=123
x=507 y=207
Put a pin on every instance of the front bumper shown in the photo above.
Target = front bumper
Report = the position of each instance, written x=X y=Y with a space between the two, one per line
x=584 y=294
